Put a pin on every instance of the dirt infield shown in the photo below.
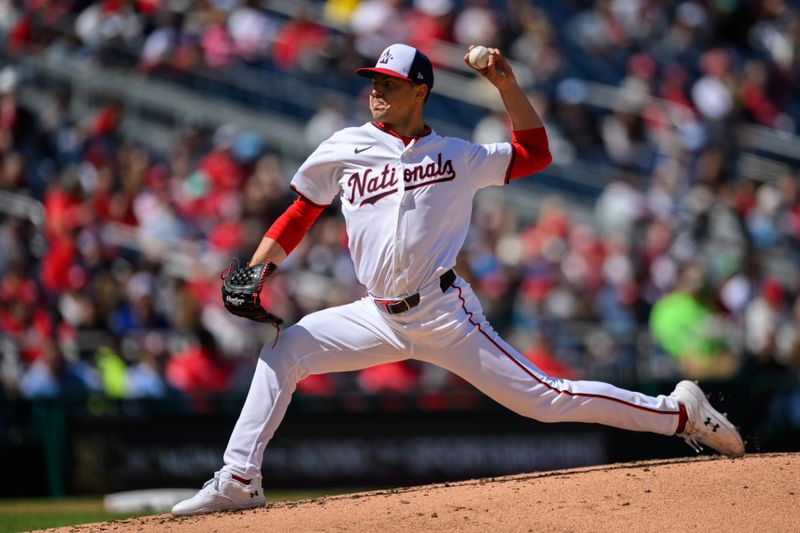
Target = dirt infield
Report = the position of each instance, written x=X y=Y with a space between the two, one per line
x=756 y=493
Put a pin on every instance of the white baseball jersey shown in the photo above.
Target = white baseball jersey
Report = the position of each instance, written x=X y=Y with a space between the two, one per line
x=407 y=208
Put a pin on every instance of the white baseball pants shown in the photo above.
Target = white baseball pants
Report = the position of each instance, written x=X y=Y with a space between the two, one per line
x=448 y=330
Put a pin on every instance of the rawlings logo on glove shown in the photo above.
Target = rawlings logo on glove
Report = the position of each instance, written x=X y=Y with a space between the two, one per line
x=234 y=301
x=241 y=291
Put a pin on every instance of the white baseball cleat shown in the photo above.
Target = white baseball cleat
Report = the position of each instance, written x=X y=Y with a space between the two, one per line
x=222 y=493
x=706 y=425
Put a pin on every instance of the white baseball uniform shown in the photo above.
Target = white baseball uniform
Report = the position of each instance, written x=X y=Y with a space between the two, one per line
x=407 y=210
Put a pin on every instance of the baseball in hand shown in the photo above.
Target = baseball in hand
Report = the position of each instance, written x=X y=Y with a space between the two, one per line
x=479 y=57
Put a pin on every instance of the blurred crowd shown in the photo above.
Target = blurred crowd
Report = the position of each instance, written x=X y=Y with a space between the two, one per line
x=686 y=265
x=725 y=61
x=108 y=295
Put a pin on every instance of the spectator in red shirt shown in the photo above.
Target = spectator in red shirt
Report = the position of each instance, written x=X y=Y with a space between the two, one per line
x=298 y=43
x=65 y=213
x=541 y=355
x=430 y=21
x=199 y=369
x=219 y=166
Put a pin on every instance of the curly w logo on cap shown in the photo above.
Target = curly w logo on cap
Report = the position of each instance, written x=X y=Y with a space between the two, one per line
x=386 y=56
x=404 y=62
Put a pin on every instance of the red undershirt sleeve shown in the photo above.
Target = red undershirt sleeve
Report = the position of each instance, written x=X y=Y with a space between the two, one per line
x=294 y=223
x=530 y=153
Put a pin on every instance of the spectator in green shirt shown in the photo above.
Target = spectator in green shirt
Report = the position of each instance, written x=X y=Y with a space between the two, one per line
x=685 y=326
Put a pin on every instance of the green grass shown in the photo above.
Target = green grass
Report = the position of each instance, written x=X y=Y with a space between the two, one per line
x=28 y=514
x=27 y=522
x=24 y=515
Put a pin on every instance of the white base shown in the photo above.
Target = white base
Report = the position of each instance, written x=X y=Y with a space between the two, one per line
x=157 y=500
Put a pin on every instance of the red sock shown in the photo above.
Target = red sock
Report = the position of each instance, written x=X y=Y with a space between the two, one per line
x=241 y=480
x=682 y=418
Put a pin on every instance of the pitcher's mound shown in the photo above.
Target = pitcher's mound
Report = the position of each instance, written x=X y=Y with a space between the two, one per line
x=755 y=493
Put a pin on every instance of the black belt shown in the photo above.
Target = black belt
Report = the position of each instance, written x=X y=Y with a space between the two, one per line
x=394 y=307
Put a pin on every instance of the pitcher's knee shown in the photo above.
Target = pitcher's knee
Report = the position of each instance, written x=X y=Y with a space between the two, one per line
x=283 y=357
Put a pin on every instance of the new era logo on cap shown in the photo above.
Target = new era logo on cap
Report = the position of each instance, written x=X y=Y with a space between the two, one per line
x=404 y=62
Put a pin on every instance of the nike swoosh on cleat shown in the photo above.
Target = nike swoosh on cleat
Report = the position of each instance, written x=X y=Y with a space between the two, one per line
x=359 y=150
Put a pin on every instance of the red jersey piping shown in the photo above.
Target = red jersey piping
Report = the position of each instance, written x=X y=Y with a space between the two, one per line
x=426 y=131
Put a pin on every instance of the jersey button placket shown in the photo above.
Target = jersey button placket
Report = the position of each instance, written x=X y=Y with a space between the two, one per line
x=399 y=275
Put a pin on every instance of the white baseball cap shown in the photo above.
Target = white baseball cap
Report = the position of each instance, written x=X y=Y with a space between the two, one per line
x=404 y=62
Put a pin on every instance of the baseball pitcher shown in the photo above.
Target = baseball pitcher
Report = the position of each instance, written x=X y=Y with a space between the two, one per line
x=406 y=195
